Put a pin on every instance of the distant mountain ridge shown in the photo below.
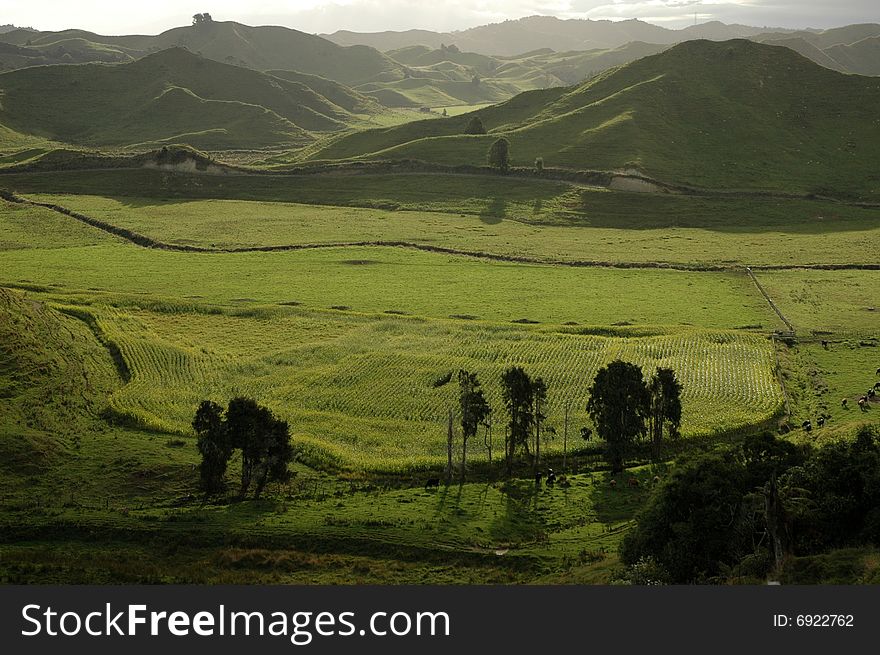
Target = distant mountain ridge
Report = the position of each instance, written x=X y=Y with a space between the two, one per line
x=516 y=37
x=260 y=48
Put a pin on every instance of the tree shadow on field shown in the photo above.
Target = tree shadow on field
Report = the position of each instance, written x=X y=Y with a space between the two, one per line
x=494 y=212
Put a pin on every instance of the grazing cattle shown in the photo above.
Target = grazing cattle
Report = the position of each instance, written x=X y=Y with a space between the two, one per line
x=844 y=402
x=613 y=483
x=871 y=393
x=633 y=482
x=877 y=385
x=551 y=476
x=656 y=479
x=878 y=371
x=824 y=344
x=538 y=477
x=863 y=401
x=432 y=482
x=820 y=421
x=807 y=425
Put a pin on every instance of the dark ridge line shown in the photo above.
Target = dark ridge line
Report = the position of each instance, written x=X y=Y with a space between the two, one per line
x=148 y=242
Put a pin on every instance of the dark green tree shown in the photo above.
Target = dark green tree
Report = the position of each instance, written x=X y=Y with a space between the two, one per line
x=214 y=444
x=517 y=394
x=474 y=411
x=264 y=441
x=665 y=407
x=499 y=154
x=475 y=126
x=619 y=404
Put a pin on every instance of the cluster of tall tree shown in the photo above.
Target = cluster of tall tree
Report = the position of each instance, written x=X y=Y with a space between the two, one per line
x=744 y=511
x=625 y=407
x=262 y=438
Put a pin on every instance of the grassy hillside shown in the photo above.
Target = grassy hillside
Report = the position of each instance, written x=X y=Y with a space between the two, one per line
x=736 y=114
x=260 y=48
x=170 y=95
x=54 y=380
x=447 y=76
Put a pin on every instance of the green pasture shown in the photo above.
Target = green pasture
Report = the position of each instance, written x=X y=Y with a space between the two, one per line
x=574 y=225
x=820 y=301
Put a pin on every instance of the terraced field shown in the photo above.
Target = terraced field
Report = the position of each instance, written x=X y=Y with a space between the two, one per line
x=363 y=389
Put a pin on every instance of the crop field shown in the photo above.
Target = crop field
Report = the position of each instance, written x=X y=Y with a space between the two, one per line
x=364 y=389
x=596 y=226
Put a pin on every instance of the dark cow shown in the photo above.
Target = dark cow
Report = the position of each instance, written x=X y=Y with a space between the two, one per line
x=871 y=393
x=807 y=425
x=613 y=483
x=633 y=482
x=824 y=344
x=820 y=421
x=432 y=482
x=844 y=402
x=538 y=477
x=551 y=477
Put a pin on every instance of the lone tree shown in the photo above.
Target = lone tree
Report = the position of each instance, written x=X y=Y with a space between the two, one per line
x=499 y=154
x=665 y=392
x=214 y=444
x=619 y=404
x=518 y=395
x=475 y=126
x=263 y=439
x=474 y=411
x=202 y=19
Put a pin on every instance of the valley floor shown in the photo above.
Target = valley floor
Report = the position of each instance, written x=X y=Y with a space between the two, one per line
x=109 y=346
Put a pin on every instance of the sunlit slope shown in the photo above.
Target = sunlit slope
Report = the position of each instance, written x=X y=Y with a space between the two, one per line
x=54 y=380
x=735 y=114
x=170 y=94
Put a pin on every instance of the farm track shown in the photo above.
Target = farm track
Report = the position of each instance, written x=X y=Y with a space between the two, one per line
x=149 y=242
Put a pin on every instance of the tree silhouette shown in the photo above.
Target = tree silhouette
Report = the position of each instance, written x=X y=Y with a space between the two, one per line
x=619 y=404
x=499 y=155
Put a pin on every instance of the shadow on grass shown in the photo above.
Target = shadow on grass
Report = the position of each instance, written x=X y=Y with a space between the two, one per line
x=494 y=212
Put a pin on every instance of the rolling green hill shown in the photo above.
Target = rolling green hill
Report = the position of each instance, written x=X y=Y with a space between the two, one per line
x=171 y=95
x=447 y=76
x=736 y=114
x=260 y=48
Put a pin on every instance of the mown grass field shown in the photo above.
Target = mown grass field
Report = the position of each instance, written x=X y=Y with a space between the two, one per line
x=376 y=280
x=363 y=388
x=574 y=225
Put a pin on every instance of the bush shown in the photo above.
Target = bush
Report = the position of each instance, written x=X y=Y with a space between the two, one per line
x=475 y=126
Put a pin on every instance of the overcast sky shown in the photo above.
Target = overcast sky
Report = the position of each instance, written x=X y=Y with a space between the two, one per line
x=440 y=15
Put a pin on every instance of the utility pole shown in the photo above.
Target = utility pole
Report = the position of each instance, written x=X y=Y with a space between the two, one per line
x=565 y=439
x=450 y=433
